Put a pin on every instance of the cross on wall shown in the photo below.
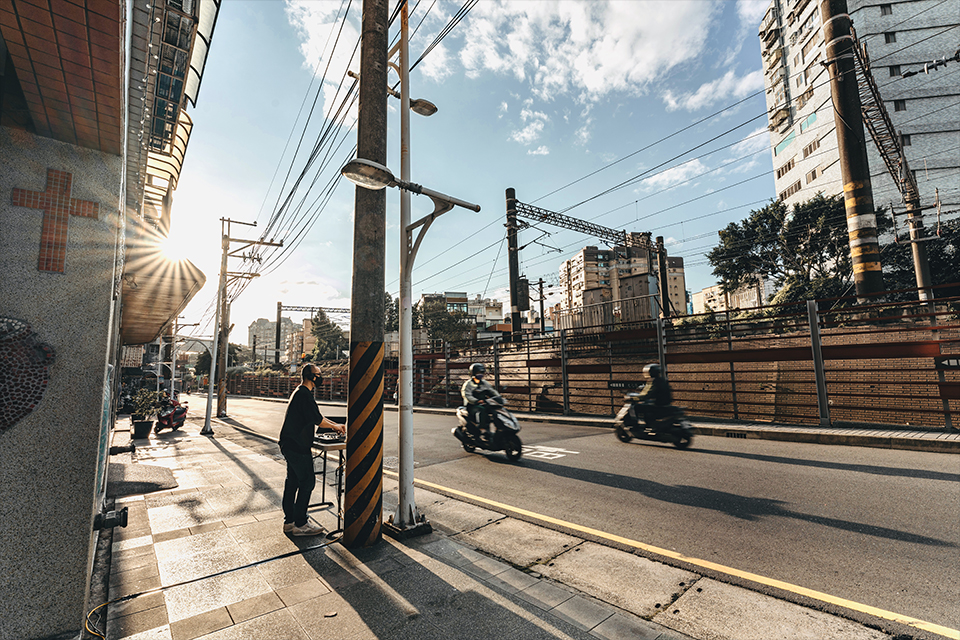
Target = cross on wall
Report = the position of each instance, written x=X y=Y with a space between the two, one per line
x=57 y=207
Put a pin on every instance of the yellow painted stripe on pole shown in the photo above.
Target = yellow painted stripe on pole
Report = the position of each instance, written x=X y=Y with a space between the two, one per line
x=853 y=186
x=706 y=564
x=369 y=374
x=364 y=449
x=859 y=201
x=866 y=266
x=869 y=250
x=372 y=405
x=366 y=481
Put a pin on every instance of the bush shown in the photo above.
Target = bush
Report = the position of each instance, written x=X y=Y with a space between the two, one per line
x=145 y=404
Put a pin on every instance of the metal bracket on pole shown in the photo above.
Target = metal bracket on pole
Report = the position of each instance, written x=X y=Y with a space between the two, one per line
x=823 y=404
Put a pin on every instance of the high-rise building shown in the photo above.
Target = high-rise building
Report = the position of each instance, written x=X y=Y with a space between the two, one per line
x=265 y=332
x=900 y=37
x=595 y=276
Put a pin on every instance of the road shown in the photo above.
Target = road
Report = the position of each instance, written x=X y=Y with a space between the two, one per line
x=875 y=526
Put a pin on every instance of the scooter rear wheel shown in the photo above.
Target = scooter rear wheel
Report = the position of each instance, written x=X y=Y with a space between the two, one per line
x=622 y=434
x=514 y=448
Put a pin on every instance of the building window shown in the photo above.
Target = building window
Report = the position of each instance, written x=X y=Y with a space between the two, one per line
x=813 y=175
x=809 y=121
x=792 y=189
x=894 y=70
x=784 y=169
x=886 y=9
x=810 y=148
x=905 y=139
x=890 y=37
x=899 y=105
x=784 y=144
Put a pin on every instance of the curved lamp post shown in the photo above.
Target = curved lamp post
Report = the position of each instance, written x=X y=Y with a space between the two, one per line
x=372 y=175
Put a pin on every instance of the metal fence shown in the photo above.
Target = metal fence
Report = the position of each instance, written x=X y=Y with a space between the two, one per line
x=808 y=364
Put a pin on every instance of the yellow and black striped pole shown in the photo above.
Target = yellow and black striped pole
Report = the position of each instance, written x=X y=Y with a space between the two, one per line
x=363 y=504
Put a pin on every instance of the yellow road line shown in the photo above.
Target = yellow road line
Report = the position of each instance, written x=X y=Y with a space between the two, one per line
x=706 y=564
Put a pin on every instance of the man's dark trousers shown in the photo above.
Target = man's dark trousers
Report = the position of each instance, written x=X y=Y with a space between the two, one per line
x=299 y=484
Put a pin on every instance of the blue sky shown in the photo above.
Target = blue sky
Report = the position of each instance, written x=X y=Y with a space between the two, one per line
x=593 y=104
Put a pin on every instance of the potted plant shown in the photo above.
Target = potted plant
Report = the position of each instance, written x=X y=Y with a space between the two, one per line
x=144 y=406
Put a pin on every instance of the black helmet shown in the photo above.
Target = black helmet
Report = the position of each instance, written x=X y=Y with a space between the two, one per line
x=477 y=369
x=652 y=371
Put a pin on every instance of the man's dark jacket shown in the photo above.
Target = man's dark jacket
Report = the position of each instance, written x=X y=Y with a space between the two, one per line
x=300 y=420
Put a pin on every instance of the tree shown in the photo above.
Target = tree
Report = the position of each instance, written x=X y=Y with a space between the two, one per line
x=330 y=339
x=942 y=254
x=804 y=250
x=391 y=316
x=203 y=360
x=441 y=323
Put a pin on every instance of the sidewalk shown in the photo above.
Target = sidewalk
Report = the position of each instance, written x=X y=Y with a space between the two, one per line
x=202 y=554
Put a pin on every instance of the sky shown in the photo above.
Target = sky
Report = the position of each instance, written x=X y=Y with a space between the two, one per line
x=631 y=114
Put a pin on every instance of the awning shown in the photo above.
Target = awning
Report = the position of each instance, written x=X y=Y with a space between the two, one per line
x=156 y=289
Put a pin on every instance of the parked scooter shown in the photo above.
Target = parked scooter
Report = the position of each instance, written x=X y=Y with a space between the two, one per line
x=672 y=426
x=501 y=436
x=171 y=415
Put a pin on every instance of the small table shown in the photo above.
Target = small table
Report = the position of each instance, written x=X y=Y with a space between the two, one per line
x=325 y=445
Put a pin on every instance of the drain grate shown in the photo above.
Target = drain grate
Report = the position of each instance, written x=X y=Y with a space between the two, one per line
x=736 y=434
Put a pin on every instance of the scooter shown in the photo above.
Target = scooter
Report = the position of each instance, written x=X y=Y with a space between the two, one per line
x=501 y=435
x=171 y=415
x=672 y=426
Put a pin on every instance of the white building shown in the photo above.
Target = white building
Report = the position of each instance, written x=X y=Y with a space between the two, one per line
x=900 y=37
x=745 y=297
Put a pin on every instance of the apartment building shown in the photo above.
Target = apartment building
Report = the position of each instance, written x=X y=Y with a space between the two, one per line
x=900 y=37
x=595 y=276
x=264 y=332
x=745 y=297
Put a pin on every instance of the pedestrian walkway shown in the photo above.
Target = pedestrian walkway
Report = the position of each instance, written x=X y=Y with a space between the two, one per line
x=211 y=562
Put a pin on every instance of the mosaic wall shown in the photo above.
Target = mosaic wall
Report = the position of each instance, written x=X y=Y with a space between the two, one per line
x=23 y=371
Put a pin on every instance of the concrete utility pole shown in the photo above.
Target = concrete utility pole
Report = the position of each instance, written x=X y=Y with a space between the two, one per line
x=854 y=170
x=664 y=288
x=276 y=359
x=363 y=504
x=514 y=261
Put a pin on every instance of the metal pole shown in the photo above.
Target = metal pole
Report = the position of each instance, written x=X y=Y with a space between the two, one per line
x=664 y=287
x=543 y=322
x=363 y=501
x=276 y=354
x=406 y=516
x=854 y=170
x=563 y=371
x=823 y=405
x=173 y=358
x=224 y=359
x=514 y=262
x=225 y=243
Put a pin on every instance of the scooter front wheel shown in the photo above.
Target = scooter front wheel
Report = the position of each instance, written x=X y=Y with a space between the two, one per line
x=622 y=434
x=682 y=435
x=514 y=448
x=469 y=448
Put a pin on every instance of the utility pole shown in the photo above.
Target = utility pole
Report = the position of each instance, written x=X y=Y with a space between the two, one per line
x=221 y=342
x=662 y=280
x=363 y=503
x=543 y=323
x=276 y=345
x=513 y=253
x=854 y=170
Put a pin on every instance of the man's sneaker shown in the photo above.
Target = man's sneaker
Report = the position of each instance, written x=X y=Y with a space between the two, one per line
x=309 y=529
x=287 y=527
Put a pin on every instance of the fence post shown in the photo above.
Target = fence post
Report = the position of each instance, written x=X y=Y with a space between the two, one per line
x=822 y=405
x=496 y=362
x=733 y=377
x=446 y=374
x=529 y=376
x=563 y=372
x=662 y=347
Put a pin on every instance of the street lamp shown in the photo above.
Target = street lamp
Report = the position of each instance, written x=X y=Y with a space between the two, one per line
x=371 y=175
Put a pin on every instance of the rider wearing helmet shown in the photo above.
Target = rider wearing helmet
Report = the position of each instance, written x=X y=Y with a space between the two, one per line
x=475 y=392
x=656 y=394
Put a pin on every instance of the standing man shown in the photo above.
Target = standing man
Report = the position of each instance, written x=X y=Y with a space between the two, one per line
x=296 y=440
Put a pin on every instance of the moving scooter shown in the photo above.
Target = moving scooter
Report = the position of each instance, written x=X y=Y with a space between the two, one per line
x=171 y=415
x=501 y=435
x=672 y=426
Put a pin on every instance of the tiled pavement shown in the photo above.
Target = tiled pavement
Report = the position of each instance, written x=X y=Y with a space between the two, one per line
x=201 y=555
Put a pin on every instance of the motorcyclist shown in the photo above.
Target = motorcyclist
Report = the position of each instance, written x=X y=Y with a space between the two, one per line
x=475 y=392
x=656 y=394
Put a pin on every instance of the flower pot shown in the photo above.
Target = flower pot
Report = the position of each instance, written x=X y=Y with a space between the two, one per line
x=141 y=428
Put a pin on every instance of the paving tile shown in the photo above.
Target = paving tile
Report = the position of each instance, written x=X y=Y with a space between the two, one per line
x=485 y=568
x=148 y=570
x=130 y=587
x=204 y=528
x=126 y=563
x=158 y=633
x=276 y=625
x=132 y=543
x=253 y=607
x=581 y=612
x=188 y=600
x=137 y=622
x=544 y=595
x=625 y=627
x=297 y=593
x=200 y=625
x=511 y=581
x=236 y=522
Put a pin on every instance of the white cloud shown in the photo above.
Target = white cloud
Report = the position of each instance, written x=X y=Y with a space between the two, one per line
x=587 y=48
x=719 y=90
x=754 y=142
x=542 y=150
x=751 y=12
x=535 y=122
x=673 y=176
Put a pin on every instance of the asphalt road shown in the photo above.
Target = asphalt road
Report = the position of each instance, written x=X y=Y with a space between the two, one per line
x=876 y=526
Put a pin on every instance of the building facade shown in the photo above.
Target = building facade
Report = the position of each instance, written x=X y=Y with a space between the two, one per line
x=745 y=297
x=93 y=132
x=263 y=334
x=900 y=37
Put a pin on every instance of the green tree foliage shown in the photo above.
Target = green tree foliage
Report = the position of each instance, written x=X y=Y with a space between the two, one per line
x=440 y=323
x=203 y=360
x=391 y=317
x=942 y=254
x=330 y=339
x=804 y=250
